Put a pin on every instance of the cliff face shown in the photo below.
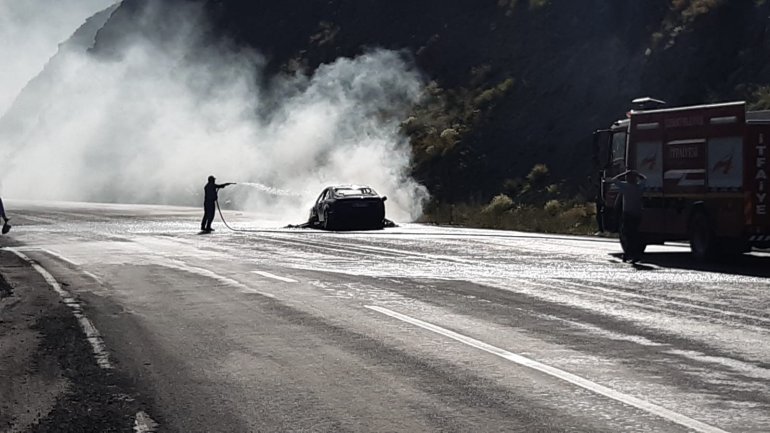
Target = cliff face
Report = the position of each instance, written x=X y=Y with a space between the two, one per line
x=509 y=83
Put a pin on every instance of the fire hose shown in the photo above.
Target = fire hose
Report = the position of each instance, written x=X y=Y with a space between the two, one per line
x=234 y=229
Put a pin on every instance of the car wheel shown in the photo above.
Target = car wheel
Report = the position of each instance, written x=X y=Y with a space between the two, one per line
x=703 y=241
x=328 y=223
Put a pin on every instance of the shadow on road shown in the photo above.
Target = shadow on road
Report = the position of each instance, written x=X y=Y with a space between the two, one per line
x=747 y=265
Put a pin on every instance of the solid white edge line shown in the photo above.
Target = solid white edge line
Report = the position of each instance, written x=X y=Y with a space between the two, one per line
x=76 y=265
x=60 y=257
x=93 y=277
x=92 y=335
x=560 y=374
x=275 y=277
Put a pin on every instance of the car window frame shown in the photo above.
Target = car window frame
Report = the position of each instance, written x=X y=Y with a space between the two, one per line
x=322 y=196
x=364 y=191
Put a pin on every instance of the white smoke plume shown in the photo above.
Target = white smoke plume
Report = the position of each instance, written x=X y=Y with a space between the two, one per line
x=30 y=31
x=150 y=124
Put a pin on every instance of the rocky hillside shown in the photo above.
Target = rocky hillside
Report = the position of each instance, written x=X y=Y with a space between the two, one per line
x=511 y=83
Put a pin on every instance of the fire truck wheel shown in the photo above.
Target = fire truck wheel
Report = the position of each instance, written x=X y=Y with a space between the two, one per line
x=633 y=243
x=703 y=241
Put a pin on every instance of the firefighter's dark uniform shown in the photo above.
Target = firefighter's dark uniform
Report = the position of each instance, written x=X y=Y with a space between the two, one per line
x=209 y=203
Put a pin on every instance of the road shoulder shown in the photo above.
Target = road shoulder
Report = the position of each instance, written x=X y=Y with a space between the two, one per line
x=49 y=378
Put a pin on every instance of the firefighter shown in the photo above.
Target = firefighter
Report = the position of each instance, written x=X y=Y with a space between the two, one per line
x=209 y=203
x=631 y=190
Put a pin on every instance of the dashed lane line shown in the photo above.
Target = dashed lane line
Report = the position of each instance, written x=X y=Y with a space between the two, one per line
x=630 y=400
x=676 y=305
x=175 y=264
x=275 y=277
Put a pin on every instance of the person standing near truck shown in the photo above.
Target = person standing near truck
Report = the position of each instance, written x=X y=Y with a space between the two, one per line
x=631 y=191
x=6 y=226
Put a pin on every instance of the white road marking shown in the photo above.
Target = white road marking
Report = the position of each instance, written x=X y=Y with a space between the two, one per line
x=275 y=277
x=92 y=335
x=175 y=264
x=60 y=257
x=144 y=424
x=557 y=373
x=93 y=276
x=73 y=264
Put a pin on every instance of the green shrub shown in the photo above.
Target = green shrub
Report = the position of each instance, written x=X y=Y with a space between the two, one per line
x=513 y=187
x=537 y=4
x=692 y=9
x=491 y=95
x=504 y=213
x=552 y=207
x=450 y=135
x=538 y=176
x=760 y=99
x=499 y=205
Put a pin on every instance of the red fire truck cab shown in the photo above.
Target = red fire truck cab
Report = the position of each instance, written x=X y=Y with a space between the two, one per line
x=707 y=175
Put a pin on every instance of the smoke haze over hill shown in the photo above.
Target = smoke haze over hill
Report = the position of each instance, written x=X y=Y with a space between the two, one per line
x=284 y=94
x=30 y=31
x=149 y=122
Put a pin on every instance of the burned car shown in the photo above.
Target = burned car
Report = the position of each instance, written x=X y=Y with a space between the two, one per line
x=348 y=207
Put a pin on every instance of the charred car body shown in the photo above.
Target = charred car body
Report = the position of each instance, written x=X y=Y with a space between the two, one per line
x=348 y=207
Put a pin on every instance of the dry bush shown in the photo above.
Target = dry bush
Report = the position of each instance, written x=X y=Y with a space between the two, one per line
x=760 y=99
x=503 y=214
x=552 y=207
x=499 y=204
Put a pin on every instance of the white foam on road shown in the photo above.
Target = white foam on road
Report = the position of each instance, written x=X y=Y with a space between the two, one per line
x=144 y=424
x=752 y=370
x=92 y=335
x=566 y=376
x=275 y=277
x=672 y=302
x=73 y=264
x=175 y=264
x=596 y=330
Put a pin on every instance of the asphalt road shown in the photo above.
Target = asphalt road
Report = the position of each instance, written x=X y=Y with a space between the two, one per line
x=413 y=328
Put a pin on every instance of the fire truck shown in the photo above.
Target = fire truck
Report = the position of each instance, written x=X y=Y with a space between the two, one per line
x=706 y=170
